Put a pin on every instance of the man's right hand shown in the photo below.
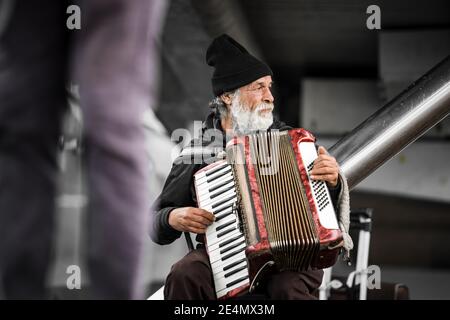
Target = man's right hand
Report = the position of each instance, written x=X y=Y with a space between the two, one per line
x=189 y=219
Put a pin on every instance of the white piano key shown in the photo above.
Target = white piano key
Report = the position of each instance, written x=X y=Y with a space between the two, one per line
x=226 y=243
x=217 y=204
x=232 y=253
x=204 y=178
x=220 y=274
x=221 y=283
x=213 y=227
x=213 y=237
x=221 y=207
x=215 y=255
x=222 y=214
x=204 y=187
x=227 y=179
x=216 y=193
x=212 y=233
x=219 y=265
x=233 y=268
x=228 y=238
x=209 y=203
x=216 y=168
x=205 y=173
x=206 y=202
x=237 y=285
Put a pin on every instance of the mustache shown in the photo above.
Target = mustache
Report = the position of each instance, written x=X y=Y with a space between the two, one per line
x=265 y=107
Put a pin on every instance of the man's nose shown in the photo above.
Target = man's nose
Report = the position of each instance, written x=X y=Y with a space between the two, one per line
x=268 y=98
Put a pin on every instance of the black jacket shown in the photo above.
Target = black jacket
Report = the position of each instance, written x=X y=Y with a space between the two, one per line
x=179 y=189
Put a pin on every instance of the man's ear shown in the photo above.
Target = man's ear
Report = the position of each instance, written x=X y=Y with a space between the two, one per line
x=226 y=98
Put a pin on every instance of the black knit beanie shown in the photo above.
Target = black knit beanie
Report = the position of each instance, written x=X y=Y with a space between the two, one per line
x=234 y=66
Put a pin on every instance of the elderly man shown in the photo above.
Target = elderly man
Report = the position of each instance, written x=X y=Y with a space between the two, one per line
x=243 y=103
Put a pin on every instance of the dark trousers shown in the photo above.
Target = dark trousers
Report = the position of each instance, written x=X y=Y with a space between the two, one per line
x=191 y=279
x=110 y=61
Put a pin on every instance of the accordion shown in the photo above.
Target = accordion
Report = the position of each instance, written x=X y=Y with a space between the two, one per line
x=268 y=211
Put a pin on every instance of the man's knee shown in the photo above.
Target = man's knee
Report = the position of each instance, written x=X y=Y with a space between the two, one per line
x=192 y=268
x=190 y=278
x=290 y=285
x=188 y=270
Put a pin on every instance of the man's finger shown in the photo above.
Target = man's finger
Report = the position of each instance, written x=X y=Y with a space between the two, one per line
x=325 y=177
x=200 y=219
x=323 y=170
x=196 y=230
x=324 y=157
x=325 y=163
x=205 y=214
x=196 y=225
x=322 y=150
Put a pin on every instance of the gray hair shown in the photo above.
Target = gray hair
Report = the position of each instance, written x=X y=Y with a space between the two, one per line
x=219 y=107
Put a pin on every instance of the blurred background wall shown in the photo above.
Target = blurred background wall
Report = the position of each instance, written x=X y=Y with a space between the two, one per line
x=331 y=72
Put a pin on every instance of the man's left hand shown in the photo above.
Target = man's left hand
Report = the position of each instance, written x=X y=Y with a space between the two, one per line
x=325 y=168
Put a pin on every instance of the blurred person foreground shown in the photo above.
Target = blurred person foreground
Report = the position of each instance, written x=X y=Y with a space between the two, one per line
x=111 y=58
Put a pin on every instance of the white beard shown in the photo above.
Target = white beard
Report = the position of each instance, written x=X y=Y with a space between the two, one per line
x=245 y=121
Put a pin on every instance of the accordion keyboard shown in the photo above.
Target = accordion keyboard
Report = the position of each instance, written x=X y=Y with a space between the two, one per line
x=216 y=193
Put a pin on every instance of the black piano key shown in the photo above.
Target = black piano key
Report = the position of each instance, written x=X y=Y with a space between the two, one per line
x=218 y=168
x=221 y=234
x=232 y=283
x=223 y=226
x=218 y=193
x=216 y=176
x=215 y=212
x=223 y=215
x=235 y=271
x=234 y=264
x=231 y=254
x=223 y=201
x=221 y=184
x=232 y=247
x=220 y=173
x=223 y=244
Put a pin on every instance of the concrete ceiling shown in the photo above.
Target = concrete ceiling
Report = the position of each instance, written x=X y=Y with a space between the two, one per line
x=322 y=36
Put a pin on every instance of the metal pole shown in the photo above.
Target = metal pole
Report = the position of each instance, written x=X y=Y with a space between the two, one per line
x=393 y=127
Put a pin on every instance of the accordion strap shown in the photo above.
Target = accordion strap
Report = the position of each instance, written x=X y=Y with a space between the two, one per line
x=344 y=215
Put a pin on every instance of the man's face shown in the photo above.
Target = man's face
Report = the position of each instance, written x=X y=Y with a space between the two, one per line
x=257 y=92
x=252 y=106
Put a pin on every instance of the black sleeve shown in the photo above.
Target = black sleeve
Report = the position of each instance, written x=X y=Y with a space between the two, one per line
x=178 y=192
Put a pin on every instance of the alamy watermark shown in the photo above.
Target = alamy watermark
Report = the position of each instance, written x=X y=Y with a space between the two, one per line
x=73 y=21
x=74 y=279
x=373 y=277
x=374 y=20
x=359 y=280
x=206 y=146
